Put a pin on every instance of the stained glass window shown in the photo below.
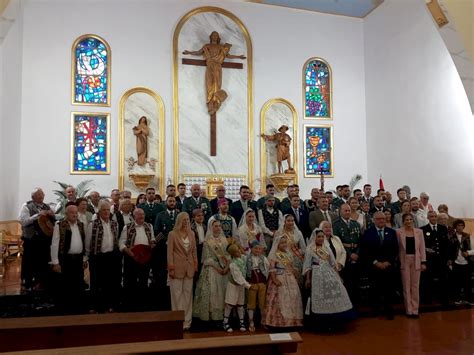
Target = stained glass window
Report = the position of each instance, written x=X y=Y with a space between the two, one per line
x=318 y=151
x=317 y=89
x=90 y=143
x=91 y=71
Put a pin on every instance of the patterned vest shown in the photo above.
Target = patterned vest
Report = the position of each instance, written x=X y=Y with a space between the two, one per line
x=65 y=235
x=98 y=235
x=32 y=229
x=132 y=233
x=271 y=219
x=226 y=224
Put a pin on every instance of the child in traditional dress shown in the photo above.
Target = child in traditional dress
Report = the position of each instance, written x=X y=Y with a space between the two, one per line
x=257 y=274
x=235 y=291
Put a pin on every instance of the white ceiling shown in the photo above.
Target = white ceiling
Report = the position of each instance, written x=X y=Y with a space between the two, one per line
x=354 y=8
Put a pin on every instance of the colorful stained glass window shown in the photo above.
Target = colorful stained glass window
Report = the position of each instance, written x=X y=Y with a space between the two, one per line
x=90 y=143
x=317 y=89
x=91 y=73
x=318 y=150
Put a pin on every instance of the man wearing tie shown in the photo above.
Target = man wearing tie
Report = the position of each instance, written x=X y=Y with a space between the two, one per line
x=150 y=207
x=196 y=201
x=300 y=215
x=437 y=255
x=164 y=223
x=349 y=232
x=378 y=255
x=321 y=214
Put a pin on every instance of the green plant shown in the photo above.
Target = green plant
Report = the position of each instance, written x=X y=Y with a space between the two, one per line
x=81 y=191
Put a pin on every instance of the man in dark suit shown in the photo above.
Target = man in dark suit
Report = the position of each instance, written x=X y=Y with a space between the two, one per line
x=321 y=214
x=291 y=190
x=220 y=193
x=269 y=191
x=377 y=205
x=378 y=254
x=196 y=201
x=238 y=207
x=181 y=196
x=150 y=207
x=437 y=255
x=300 y=215
x=367 y=194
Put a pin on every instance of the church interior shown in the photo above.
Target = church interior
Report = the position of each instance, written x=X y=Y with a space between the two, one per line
x=237 y=102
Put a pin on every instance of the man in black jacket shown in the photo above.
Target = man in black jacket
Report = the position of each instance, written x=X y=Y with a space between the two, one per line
x=379 y=253
x=437 y=255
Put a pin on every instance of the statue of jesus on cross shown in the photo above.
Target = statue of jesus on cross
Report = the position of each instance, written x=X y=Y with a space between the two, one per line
x=214 y=55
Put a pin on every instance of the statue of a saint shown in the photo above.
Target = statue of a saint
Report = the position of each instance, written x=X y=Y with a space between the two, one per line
x=283 y=141
x=214 y=53
x=142 y=131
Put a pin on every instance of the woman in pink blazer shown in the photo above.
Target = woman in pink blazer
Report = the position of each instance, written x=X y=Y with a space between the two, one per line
x=412 y=261
x=182 y=264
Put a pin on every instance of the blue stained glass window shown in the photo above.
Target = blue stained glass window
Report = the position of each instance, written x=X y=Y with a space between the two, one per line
x=91 y=71
x=318 y=146
x=90 y=143
x=317 y=89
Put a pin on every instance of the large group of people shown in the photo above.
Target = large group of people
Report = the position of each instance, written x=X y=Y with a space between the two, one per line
x=280 y=263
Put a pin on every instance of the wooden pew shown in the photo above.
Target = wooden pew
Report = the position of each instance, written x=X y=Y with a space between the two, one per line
x=246 y=344
x=20 y=334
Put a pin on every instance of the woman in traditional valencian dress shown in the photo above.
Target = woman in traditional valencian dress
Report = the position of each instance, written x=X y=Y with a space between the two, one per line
x=210 y=290
x=283 y=306
x=329 y=306
x=296 y=243
x=249 y=231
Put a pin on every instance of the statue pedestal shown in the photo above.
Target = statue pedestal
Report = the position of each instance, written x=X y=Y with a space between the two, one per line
x=281 y=181
x=142 y=181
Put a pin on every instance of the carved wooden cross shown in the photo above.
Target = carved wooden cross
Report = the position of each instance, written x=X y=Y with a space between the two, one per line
x=202 y=63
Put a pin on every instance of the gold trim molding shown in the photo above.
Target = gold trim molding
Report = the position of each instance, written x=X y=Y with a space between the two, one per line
x=179 y=26
x=108 y=145
x=437 y=13
x=304 y=90
x=73 y=71
x=263 y=157
x=161 y=136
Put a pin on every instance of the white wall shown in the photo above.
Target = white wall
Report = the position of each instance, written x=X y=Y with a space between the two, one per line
x=11 y=115
x=140 y=34
x=419 y=125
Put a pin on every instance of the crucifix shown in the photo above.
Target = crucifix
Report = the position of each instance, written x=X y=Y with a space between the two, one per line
x=214 y=55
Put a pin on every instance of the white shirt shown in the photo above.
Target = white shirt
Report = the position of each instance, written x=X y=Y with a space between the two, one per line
x=76 y=243
x=421 y=218
x=140 y=238
x=186 y=243
x=200 y=233
x=127 y=218
x=25 y=218
x=83 y=218
x=107 y=238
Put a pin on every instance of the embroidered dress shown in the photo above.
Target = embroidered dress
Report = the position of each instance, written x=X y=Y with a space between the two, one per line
x=297 y=247
x=211 y=286
x=283 y=306
x=330 y=303
x=247 y=235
